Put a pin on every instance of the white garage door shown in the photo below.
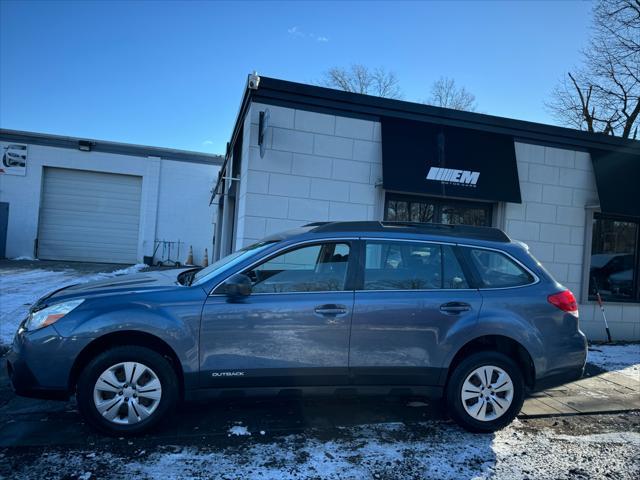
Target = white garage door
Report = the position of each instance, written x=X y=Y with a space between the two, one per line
x=89 y=216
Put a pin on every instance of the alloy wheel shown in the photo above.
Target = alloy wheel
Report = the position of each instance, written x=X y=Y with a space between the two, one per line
x=487 y=393
x=127 y=393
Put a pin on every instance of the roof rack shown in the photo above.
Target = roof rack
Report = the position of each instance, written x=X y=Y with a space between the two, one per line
x=460 y=231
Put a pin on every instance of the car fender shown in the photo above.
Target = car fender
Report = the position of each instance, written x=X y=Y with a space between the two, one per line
x=176 y=324
x=501 y=324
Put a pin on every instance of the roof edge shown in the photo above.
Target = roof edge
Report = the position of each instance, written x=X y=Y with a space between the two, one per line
x=316 y=97
x=105 y=146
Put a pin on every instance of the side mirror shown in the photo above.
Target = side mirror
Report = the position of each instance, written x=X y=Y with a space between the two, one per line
x=237 y=287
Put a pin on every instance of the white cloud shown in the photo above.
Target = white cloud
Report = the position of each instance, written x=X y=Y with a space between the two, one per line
x=296 y=31
x=208 y=142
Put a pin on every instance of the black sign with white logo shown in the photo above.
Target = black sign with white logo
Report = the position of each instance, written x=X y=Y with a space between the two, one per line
x=426 y=158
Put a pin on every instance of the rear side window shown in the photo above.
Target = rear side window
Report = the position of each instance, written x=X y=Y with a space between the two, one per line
x=411 y=266
x=497 y=270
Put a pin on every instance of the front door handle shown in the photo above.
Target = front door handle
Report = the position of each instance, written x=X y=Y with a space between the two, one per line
x=330 y=310
x=454 y=308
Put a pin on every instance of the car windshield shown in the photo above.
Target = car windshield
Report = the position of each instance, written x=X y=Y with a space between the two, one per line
x=230 y=260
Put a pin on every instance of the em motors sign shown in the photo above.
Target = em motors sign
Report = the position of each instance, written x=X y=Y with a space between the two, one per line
x=448 y=175
x=446 y=161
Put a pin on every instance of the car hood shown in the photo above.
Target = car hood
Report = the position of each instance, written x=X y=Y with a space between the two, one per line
x=120 y=284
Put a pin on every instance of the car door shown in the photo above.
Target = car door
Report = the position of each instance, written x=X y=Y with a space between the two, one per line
x=410 y=298
x=292 y=330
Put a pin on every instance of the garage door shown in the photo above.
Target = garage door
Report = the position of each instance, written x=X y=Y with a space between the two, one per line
x=89 y=216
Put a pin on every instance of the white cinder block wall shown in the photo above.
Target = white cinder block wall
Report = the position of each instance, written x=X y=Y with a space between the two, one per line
x=556 y=186
x=174 y=200
x=317 y=167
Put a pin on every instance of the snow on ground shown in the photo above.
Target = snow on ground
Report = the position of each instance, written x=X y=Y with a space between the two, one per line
x=238 y=431
x=382 y=451
x=624 y=359
x=19 y=288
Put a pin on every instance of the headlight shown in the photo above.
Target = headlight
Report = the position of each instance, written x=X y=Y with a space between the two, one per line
x=50 y=315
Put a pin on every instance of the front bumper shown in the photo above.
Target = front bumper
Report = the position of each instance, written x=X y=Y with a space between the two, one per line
x=39 y=363
x=25 y=384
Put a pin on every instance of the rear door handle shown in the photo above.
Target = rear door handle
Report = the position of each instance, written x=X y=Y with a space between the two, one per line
x=330 y=310
x=455 y=308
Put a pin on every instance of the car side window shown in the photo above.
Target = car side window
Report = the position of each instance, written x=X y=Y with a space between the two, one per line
x=312 y=268
x=497 y=270
x=402 y=265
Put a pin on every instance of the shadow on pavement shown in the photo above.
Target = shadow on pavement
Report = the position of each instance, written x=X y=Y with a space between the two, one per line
x=31 y=422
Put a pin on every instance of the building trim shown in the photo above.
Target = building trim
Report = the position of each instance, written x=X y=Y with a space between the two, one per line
x=326 y=100
x=282 y=93
x=104 y=146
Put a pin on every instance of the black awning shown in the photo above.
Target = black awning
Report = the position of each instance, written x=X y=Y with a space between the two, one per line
x=426 y=158
x=618 y=181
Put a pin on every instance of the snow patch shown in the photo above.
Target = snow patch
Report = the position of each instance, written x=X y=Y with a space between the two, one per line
x=20 y=288
x=138 y=267
x=627 y=438
x=238 y=430
x=390 y=451
x=624 y=359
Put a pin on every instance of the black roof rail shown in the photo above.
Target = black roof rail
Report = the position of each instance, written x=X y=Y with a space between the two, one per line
x=459 y=231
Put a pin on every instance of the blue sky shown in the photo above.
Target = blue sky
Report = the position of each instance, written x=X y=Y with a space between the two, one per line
x=171 y=74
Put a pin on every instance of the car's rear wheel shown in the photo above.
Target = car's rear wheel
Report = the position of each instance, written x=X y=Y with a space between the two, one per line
x=127 y=390
x=485 y=392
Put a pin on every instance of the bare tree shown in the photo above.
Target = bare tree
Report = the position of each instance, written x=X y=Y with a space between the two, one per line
x=604 y=94
x=445 y=93
x=361 y=79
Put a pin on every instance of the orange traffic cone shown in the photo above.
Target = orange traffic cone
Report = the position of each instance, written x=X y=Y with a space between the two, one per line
x=205 y=260
x=189 y=260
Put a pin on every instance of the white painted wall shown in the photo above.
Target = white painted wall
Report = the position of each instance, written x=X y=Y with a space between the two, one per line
x=557 y=185
x=317 y=167
x=183 y=206
x=168 y=188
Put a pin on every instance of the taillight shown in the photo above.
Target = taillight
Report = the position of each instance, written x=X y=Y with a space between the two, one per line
x=565 y=301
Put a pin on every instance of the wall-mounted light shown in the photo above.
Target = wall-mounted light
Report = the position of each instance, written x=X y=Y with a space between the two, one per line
x=85 y=145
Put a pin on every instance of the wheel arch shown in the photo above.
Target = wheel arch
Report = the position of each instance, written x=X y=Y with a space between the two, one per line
x=121 y=338
x=497 y=343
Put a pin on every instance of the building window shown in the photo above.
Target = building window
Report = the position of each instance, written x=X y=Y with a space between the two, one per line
x=403 y=208
x=614 y=259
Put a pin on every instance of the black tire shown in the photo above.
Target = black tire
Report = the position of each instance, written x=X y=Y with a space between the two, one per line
x=459 y=375
x=152 y=359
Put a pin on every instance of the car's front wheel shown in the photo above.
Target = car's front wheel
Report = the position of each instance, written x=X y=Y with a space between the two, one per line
x=485 y=392
x=127 y=390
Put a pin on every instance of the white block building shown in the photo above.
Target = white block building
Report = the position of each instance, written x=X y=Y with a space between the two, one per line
x=72 y=199
x=302 y=153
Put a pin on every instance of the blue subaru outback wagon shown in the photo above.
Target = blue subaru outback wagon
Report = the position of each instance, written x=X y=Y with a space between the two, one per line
x=458 y=312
